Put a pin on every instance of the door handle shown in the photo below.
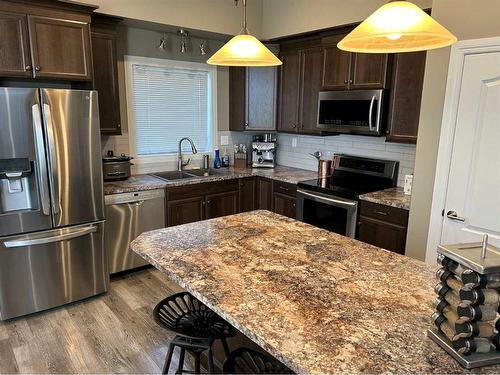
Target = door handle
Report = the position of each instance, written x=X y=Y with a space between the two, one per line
x=370 y=114
x=41 y=161
x=452 y=215
x=53 y=172
x=51 y=239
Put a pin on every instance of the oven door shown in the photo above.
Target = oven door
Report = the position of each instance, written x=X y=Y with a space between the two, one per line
x=327 y=212
x=351 y=112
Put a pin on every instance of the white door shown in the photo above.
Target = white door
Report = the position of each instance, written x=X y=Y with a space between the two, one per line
x=472 y=205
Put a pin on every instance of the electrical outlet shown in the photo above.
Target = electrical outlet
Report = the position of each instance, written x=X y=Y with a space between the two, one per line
x=294 y=142
x=224 y=140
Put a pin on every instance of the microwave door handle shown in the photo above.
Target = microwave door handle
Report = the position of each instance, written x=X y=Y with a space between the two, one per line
x=370 y=114
x=54 y=180
x=43 y=184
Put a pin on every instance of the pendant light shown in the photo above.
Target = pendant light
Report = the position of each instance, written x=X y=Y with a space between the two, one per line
x=244 y=50
x=398 y=26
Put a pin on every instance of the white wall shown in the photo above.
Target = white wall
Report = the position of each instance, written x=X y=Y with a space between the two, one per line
x=468 y=20
x=219 y=16
x=288 y=17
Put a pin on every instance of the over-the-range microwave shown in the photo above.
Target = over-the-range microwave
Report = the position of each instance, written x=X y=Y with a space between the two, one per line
x=351 y=112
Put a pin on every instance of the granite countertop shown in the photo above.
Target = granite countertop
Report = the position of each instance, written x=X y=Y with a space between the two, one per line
x=394 y=197
x=317 y=301
x=148 y=182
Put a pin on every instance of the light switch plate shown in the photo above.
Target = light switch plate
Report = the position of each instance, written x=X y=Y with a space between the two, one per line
x=294 y=142
x=224 y=140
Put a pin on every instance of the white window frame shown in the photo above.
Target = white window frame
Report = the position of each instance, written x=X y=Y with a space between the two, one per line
x=129 y=62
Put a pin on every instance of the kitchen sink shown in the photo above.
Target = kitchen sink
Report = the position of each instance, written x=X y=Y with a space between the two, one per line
x=181 y=175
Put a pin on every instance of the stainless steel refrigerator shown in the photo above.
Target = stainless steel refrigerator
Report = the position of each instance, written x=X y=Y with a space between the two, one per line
x=51 y=200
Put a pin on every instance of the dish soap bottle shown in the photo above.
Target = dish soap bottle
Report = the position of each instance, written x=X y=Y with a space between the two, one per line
x=217 y=161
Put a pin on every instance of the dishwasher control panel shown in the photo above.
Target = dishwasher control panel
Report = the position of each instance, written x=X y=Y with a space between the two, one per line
x=134 y=196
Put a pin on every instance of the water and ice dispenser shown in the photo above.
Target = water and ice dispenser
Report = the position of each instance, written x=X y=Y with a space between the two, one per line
x=18 y=187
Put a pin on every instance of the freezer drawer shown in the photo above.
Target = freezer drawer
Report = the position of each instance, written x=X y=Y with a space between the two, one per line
x=127 y=216
x=47 y=269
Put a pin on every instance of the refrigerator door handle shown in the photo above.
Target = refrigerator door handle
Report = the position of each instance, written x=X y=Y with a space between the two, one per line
x=43 y=184
x=79 y=232
x=54 y=175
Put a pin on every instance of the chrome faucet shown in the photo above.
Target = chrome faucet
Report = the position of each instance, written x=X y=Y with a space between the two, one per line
x=180 y=163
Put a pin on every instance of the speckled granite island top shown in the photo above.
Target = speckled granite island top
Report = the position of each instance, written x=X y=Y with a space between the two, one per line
x=147 y=182
x=394 y=197
x=319 y=302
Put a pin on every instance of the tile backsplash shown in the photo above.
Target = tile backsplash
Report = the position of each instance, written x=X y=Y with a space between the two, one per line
x=295 y=150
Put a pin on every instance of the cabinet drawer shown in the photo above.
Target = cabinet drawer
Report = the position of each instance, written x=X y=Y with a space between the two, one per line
x=285 y=188
x=189 y=191
x=384 y=213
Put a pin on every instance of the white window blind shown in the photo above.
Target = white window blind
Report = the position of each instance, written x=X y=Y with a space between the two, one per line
x=169 y=104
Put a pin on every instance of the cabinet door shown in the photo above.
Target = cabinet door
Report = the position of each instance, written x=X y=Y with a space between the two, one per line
x=247 y=194
x=237 y=101
x=222 y=204
x=406 y=96
x=311 y=75
x=184 y=211
x=336 y=64
x=106 y=81
x=15 y=59
x=368 y=71
x=378 y=233
x=289 y=92
x=261 y=88
x=285 y=205
x=60 y=49
x=264 y=194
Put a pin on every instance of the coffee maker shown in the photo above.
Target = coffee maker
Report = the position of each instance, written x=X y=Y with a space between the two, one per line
x=264 y=151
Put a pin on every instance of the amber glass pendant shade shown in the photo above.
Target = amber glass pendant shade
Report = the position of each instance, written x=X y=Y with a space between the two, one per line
x=244 y=50
x=396 y=27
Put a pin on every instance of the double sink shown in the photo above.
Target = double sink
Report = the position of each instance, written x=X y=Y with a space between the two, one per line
x=181 y=175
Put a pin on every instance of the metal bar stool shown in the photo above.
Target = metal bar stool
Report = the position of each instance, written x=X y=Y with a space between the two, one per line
x=197 y=328
x=248 y=361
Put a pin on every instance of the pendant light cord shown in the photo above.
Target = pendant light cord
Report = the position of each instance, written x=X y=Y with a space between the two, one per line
x=244 y=30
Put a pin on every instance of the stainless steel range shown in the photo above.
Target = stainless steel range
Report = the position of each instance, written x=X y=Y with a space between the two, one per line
x=51 y=200
x=332 y=203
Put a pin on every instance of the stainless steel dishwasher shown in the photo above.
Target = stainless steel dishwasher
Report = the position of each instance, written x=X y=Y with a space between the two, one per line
x=127 y=216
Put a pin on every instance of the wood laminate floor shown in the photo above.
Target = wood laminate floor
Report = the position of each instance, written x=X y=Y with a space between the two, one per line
x=112 y=333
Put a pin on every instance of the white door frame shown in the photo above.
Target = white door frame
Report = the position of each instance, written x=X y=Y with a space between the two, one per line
x=452 y=100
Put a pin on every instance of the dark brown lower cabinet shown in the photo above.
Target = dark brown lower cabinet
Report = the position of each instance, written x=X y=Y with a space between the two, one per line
x=383 y=226
x=285 y=205
x=222 y=204
x=247 y=194
x=264 y=194
x=197 y=202
x=185 y=211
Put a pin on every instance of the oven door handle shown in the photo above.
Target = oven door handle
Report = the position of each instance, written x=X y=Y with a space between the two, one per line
x=370 y=114
x=328 y=200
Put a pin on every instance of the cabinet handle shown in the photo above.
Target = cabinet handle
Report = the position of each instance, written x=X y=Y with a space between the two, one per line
x=351 y=81
x=294 y=126
x=208 y=202
x=247 y=125
x=27 y=67
x=119 y=126
x=380 y=213
x=346 y=81
x=38 y=68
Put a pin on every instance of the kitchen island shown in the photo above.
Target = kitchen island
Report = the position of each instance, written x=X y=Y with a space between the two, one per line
x=317 y=301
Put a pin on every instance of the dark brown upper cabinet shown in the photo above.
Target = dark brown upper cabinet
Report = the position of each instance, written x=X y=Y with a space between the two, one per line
x=104 y=56
x=405 y=97
x=45 y=40
x=336 y=64
x=253 y=98
x=300 y=83
x=15 y=57
x=350 y=71
x=288 y=118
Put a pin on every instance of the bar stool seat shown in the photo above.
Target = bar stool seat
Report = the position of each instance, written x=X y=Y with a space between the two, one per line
x=248 y=361
x=197 y=328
